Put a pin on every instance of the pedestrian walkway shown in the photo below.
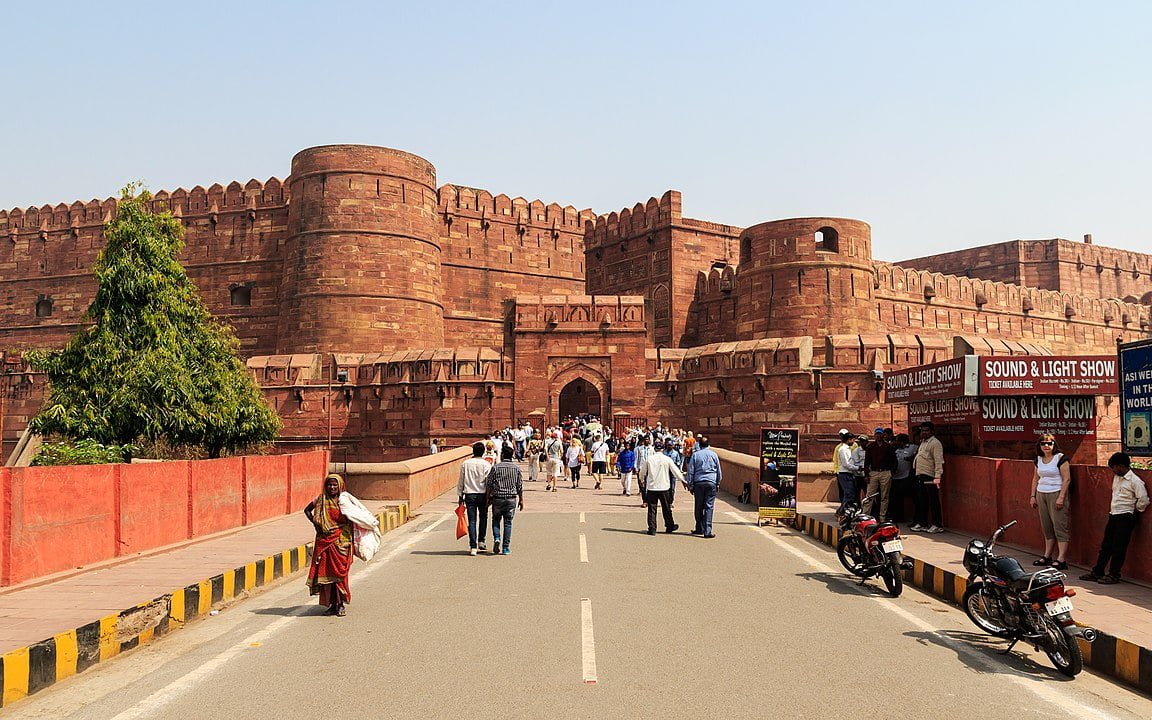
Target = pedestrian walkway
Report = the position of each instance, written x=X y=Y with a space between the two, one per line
x=1122 y=611
x=39 y=609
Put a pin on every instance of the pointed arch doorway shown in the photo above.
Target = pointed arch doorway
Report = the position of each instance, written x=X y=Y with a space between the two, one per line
x=580 y=397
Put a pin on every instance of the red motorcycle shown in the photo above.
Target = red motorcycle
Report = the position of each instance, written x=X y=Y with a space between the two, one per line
x=868 y=547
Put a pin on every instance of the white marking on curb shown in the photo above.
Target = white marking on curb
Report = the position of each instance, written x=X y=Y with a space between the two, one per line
x=587 y=642
x=149 y=706
x=583 y=548
x=1061 y=700
x=581 y=518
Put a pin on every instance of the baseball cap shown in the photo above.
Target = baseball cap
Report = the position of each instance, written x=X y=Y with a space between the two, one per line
x=878 y=430
x=844 y=431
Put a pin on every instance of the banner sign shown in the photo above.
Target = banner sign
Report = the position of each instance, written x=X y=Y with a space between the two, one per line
x=1012 y=418
x=1136 y=397
x=1066 y=375
x=779 y=451
x=949 y=379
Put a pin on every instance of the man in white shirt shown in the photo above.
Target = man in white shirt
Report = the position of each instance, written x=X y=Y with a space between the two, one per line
x=656 y=477
x=472 y=491
x=845 y=471
x=520 y=439
x=1129 y=496
x=599 y=452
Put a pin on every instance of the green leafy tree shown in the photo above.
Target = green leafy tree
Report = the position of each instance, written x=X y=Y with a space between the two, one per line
x=154 y=366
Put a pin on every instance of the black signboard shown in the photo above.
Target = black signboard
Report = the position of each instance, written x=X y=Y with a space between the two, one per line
x=779 y=448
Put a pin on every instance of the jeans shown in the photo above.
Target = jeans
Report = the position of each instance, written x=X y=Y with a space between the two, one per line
x=846 y=483
x=503 y=509
x=654 y=497
x=477 y=504
x=927 y=502
x=705 y=497
x=1114 y=546
x=521 y=445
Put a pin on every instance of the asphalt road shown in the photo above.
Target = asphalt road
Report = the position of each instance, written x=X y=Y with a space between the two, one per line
x=754 y=623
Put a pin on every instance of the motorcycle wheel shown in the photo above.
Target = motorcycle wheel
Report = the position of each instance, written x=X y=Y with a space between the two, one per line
x=1063 y=651
x=974 y=608
x=851 y=554
x=893 y=579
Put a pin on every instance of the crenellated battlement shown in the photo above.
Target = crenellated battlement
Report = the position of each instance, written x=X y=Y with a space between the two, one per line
x=637 y=221
x=579 y=313
x=462 y=201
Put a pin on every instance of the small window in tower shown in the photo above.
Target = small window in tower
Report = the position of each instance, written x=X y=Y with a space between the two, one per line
x=745 y=249
x=241 y=295
x=827 y=240
x=43 y=307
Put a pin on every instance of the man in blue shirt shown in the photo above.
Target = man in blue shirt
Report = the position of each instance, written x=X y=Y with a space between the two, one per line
x=704 y=477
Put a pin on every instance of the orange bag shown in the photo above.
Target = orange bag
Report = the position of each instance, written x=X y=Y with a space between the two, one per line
x=461 y=522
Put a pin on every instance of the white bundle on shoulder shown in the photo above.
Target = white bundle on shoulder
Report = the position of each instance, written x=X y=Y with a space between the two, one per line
x=365 y=527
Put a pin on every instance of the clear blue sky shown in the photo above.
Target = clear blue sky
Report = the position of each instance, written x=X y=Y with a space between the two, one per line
x=944 y=125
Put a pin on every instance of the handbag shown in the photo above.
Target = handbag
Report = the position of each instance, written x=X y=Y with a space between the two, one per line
x=543 y=457
x=461 y=522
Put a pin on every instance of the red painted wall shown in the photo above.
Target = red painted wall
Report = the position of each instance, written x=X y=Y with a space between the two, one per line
x=979 y=494
x=153 y=505
x=61 y=519
x=266 y=488
x=57 y=518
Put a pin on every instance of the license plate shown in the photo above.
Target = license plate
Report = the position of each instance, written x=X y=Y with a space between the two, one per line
x=893 y=546
x=1063 y=605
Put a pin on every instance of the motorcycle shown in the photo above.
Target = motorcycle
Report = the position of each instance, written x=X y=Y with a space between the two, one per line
x=1008 y=602
x=868 y=547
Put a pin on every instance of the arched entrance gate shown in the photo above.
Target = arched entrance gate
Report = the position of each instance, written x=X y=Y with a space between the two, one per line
x=578 y=390
x=580 y=397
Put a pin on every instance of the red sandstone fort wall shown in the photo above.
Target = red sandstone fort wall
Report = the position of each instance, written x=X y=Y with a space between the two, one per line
x=495 y=248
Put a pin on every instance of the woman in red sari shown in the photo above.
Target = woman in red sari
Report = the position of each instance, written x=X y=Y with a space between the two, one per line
x=332 y=552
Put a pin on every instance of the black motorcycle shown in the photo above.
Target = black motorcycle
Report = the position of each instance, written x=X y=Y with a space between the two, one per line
x=1008 y=602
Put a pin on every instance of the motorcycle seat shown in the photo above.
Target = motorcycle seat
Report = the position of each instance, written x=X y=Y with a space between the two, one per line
x=1011 y=570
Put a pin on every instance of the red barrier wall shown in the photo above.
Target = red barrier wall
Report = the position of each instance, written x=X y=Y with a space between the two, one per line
x=982 y=493
x=266 y=488
x=57 y=518
x=217 y=495
x=153 y=505
x=61 y=520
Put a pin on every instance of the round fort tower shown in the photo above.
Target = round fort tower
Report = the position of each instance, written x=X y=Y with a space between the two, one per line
x=362 y=260
x=806 y=277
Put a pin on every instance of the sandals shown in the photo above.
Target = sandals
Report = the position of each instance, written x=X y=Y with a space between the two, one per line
x=1060 y=565
x=1042 y=562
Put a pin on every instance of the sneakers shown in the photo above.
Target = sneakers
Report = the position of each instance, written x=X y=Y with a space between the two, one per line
x=472 y=552
x=506 y=551
x=496 y=548
x=483 y=546
x=917 y=527
x=934 y=529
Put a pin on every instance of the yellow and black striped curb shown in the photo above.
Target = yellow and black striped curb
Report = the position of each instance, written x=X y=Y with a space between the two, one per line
x=1118 y=658
x=30 y=669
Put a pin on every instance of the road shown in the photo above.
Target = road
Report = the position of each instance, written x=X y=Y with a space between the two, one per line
x=756 y=622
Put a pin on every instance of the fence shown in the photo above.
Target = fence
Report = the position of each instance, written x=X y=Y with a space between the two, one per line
x=59 y=518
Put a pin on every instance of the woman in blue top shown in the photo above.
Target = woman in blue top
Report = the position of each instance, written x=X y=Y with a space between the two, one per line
x=626 y=464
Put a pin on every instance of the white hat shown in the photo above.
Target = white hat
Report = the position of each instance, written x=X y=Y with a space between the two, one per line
x=844 y=431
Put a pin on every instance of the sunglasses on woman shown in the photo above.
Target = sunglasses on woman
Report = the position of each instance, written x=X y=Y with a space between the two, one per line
x=1047 y=442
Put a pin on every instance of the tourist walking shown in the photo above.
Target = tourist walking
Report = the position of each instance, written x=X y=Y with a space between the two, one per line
x=1051 y=481
x=880 y=462
x=1129 y=497
x=575 y=460
x=505 y=486
x=658 y=475
x=626 y=464
x=472 y=490
x=929 y=468
x=554 y=452
x=337 y=516
x=599 y=452
x=703 y=477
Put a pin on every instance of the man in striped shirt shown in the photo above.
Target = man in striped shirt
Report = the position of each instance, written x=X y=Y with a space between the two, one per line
x=505 y=486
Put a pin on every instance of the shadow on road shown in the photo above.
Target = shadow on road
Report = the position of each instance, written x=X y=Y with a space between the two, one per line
x=292 y=610
x=460 y=553
x=986 y=657
x=844 y=584
x=641 y=531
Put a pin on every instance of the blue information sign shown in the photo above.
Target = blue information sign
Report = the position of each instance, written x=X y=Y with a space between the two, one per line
x=1136 y=397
